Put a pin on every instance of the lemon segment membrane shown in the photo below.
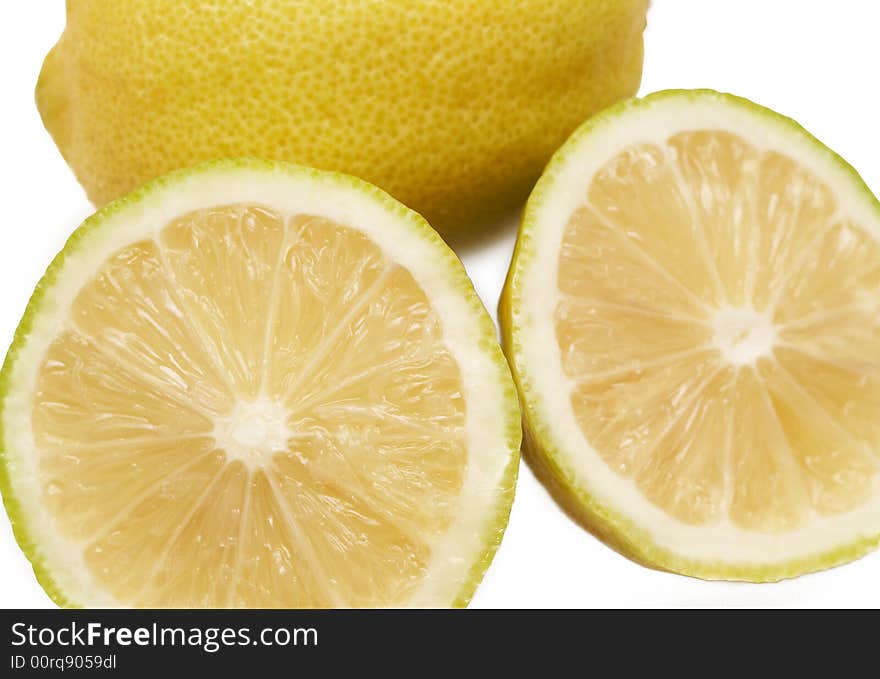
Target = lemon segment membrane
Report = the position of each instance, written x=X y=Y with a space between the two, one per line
x=693 y=317
x=255 y=385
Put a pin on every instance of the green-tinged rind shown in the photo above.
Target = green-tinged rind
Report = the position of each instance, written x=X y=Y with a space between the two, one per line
x=544 y=456
x=498 y=526
x=508 y=409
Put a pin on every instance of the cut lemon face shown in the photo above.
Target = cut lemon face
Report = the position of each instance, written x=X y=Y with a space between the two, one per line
x=693 y=319
x=252 y=384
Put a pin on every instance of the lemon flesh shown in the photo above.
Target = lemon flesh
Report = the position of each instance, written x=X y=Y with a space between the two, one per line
x=707 y=276
x=233 y=395
x=452 y=107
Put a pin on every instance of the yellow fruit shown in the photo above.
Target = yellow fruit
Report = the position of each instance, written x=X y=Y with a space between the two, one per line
x=253 y=384
x=693 y=319
x=453 y=107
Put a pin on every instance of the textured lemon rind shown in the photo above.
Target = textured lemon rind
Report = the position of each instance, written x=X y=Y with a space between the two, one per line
x=508 y=409
x=540 y=450
x=452 y=107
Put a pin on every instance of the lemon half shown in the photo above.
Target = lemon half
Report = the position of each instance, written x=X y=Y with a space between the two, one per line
x=252 y=384
x=693 y=319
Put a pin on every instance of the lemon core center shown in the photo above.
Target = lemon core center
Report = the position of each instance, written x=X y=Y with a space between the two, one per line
x=253 y=432
x=743 y=335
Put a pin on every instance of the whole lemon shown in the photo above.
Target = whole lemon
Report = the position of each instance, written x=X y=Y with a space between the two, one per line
x=452 y=106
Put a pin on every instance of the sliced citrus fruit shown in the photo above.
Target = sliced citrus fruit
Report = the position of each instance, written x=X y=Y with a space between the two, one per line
x=252 y=384
x=693 y=319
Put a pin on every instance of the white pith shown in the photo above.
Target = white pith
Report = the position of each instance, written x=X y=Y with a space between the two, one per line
x=253 y=432
x=742 y=336
x=288 y=193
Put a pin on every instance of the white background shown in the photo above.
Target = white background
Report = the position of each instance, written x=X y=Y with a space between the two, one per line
x=816 y=61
